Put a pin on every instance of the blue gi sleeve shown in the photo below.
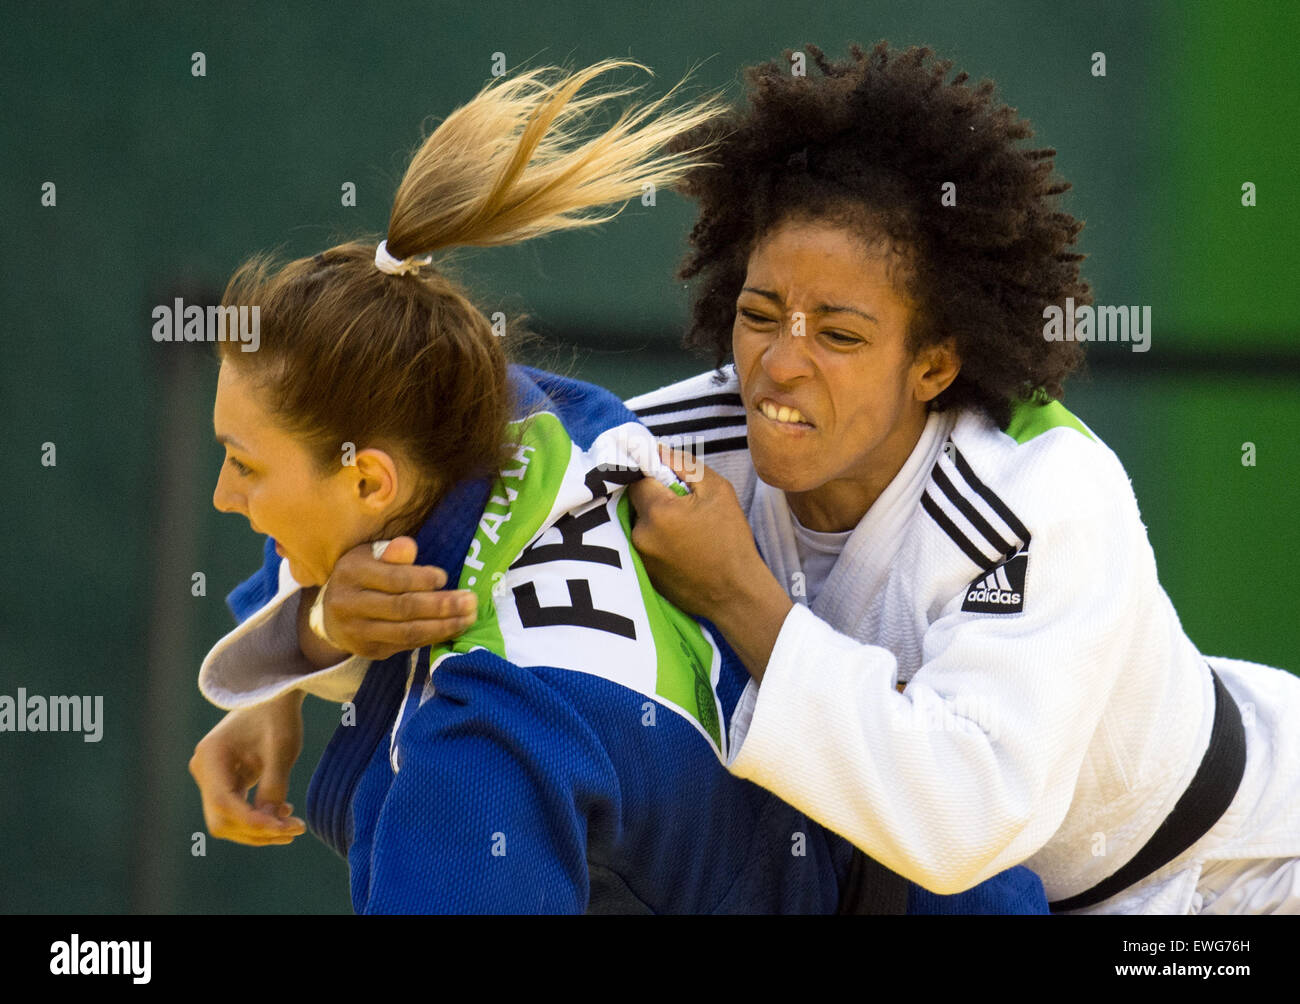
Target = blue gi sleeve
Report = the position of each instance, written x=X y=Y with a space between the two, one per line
x=1014 y=891
x=499 y=781
x=247 y=597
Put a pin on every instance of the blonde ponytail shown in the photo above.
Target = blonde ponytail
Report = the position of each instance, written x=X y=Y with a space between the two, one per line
x=353 y=353
x=509 y=165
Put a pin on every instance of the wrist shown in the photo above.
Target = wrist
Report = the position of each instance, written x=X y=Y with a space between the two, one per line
x=751 y=618
x=316 y=617
x=737 y=592
x=316 y=650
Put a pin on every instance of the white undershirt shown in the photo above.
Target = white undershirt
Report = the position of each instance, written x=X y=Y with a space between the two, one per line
x=817 y=554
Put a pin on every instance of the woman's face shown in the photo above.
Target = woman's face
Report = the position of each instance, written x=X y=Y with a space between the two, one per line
x=820 y=330
x=272 y=480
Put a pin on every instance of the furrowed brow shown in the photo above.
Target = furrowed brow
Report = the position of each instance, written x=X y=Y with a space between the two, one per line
x=767 y=294
x=826 y=308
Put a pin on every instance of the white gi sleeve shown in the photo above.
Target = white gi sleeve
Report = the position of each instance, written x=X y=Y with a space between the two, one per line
x=973 y=768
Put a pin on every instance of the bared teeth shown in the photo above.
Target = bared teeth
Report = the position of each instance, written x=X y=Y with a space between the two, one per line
x=782 y=413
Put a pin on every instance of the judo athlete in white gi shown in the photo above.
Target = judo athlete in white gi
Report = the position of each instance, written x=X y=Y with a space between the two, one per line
x=937 y=576
x=1053 y=712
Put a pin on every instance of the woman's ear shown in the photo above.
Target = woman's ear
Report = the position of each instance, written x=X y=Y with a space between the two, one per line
x=936 y=367
x=378 y=484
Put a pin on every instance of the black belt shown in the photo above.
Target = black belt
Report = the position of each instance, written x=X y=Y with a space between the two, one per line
x=1206 y=799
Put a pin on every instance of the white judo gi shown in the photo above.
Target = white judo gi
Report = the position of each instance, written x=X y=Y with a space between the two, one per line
x=1053 y=711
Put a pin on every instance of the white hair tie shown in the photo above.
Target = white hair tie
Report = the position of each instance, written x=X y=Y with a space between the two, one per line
x=397 y=266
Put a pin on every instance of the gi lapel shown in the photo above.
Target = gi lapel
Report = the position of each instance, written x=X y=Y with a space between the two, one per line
x=860 y=572
x=862 y=567
x=769 y=517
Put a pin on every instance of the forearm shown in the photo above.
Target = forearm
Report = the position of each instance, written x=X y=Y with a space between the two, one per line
x=272 y=651
x=750 y=613
x=315 y=650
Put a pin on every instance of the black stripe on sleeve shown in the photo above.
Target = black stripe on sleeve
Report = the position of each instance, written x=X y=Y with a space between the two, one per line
x=971 y=513
x=724 y=445
x=995 y=503
x=958 y=538
x=697 y=425
x=726 y=400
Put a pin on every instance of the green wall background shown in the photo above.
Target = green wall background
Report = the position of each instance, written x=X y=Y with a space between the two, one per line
x=165 y=182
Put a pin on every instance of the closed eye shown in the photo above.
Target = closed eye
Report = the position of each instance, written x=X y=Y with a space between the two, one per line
x=240 y=469
x=754 y=318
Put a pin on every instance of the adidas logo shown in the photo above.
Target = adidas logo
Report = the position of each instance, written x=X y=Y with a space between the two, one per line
x=981 y=525
x=993 y=591
x=1001 y=591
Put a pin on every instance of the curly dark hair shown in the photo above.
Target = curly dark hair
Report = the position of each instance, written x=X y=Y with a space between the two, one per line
x=869 y=144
